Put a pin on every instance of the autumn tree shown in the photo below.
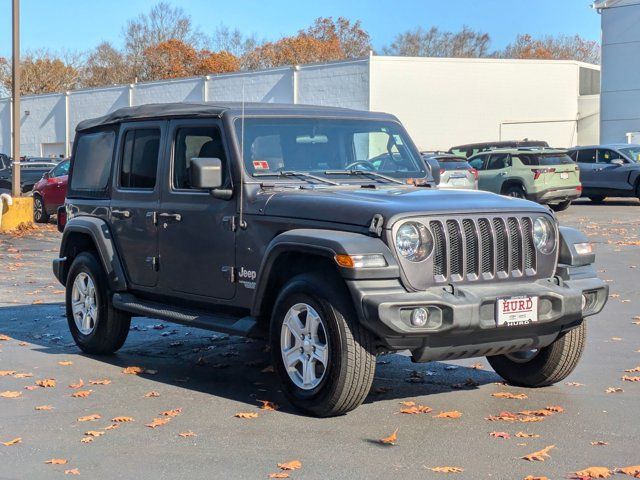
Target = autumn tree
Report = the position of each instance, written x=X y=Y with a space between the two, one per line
x=354 y=41
x=43 y=72
x=434 y=42
x=233 y=42
x=554 y=48
x=106 y=65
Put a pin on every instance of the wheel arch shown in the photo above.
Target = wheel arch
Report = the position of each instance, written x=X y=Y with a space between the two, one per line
x=512 y=182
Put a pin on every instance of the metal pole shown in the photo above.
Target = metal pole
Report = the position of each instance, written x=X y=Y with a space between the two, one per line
x=15 y=93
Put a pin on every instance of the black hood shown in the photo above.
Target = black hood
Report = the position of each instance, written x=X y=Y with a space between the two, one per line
x=357 y=206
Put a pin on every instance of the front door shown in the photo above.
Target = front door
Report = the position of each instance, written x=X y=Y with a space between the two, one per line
x=588 y=167
x=612 y=176
x=134 y=200
x=197 y=242
x=495 y=172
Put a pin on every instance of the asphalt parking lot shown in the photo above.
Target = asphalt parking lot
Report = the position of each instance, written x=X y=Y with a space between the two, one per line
x=211 y=377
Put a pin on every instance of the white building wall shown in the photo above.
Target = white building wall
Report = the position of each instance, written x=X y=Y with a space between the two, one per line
x=184 y=90
x=44 y=123
x=272 y=86
x=5 y=126
x=445 y=102
x=620 y=99
x=337 y=85
x=95 y=102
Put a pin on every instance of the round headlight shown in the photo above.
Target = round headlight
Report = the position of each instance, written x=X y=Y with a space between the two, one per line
x=414 y=241
x=544 y=235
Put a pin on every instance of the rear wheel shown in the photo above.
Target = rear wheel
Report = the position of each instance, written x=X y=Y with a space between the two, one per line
x=324 y=357
x=96 y=326
x=544 y=366
x=40 y=214
x=560 y=207
x=597 y=198
x=515 y=191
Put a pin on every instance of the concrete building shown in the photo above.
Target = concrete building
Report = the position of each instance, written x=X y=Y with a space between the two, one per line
x=441 y=101
x=620 y=100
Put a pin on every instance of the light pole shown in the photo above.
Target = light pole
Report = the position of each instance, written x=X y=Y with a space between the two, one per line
x=15 y=92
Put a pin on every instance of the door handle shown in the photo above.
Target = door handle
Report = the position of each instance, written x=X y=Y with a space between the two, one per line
x=176 y=217
x=503 y=174
x=120 y=213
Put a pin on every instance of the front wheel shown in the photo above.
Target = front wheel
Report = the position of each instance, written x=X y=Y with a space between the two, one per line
x=40 y=214
x=324 y=357
x=560 y=207
x=544 y=366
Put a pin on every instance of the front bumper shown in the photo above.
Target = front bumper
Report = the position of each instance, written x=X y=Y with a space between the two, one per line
x=462 y=320
x=554 y=195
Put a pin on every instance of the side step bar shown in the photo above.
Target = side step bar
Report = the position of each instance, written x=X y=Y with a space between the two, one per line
x=241 y=326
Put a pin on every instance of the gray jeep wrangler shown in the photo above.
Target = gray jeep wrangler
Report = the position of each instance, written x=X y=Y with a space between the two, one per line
x=321 y=230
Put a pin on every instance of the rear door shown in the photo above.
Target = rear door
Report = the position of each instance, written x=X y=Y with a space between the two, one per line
x=197 y=241
x=587 y=163
x=135 y=197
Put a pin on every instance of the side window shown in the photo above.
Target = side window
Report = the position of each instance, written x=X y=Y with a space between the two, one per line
x=606 y=156
x=498 y=161
x=573 y=155
x=61 y=170
x=477 y=162
x=195 y=142
x=92 y=163
x=140 y=158
x=587 y=156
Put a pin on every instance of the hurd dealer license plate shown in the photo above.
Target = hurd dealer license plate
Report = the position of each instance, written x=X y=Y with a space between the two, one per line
x=512 y=311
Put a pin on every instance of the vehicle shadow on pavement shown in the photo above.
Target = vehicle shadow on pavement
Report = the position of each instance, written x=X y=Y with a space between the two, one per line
x=235 y=368
x=618 y=202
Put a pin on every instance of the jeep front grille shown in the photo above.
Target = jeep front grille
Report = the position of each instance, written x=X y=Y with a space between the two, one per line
x=471 y=249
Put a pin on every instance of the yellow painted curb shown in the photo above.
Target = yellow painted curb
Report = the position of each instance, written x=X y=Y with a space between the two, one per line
x=20 y=213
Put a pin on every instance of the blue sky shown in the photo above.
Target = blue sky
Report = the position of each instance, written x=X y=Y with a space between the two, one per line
x=78 y=25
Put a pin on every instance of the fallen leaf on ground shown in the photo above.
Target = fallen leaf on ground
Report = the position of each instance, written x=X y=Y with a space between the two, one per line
x=279 y=475
x=631 y=471
x=246 y=415
x=614 y=390
x=527 y=435
x=500 y=435
x=113 y=426
x=574 y=384
x=158 y=422
x=12 y=442
x=122 y=419
x=23 y=375
x=72 y=471
x=537 y=413
x=629 y=378
x=132 y=370
x=90 y=418
x=57 y=461
x=554 y=409
x=94 y=433
x=151 y=394
x=629 y=370
x=416 y=409
x=9 y=394
x=171 y=413
x=47 y=382
x=82 y=394
x=44 y=407
x=599 y=443
x=540 y=455
x=187 y=434
x=594 y=472
x=391 y=439
x=513 y=396
x=4 y=338
x=267 y=405
x=408 y=404
x=447 y=469
x=80 y=384
x=292 y=465
x=31 y=387
x=5 y=373
x=104 y=381
x=531 y=477
x=87 y=440
x=66 y=363
x=451 y=414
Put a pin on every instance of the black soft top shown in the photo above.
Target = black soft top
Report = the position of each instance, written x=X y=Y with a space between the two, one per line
x=196 y=110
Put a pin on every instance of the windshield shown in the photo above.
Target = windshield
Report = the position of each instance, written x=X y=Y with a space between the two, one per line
x=546 y=159
x=633 y=153
x=328 y=147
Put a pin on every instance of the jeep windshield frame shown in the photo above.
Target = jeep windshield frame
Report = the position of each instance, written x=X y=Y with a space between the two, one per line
x=327 y=147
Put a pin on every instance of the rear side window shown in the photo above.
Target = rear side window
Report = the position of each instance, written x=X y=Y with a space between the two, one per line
x=92 y=163
x=606 y=156
x=587 y=156
x=547 y=159
x=499 y=161
x=140 y=158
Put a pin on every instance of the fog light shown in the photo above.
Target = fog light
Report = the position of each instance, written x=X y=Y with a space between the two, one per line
x=419 y=317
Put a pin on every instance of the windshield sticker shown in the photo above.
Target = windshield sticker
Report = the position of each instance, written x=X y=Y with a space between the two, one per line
x=260 y=165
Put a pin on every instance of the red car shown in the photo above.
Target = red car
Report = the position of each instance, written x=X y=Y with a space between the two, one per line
x=50 y=191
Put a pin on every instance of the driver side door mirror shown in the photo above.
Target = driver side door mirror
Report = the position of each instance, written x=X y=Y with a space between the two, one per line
x=617 y=162
x=207 y=174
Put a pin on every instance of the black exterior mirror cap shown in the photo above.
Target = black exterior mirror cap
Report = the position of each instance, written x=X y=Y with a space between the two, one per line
x=206 y=173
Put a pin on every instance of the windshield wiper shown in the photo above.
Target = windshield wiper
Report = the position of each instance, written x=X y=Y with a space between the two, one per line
x=292 y=173
x=363 y=172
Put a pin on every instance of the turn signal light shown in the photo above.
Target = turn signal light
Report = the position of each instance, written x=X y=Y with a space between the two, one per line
x=361 y=261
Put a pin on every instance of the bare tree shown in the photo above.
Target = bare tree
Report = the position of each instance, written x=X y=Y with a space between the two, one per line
x=106 y=66
x=560 y=47
x=233 y=41
x=437 y=43
x=43 y=72
x=355 y=42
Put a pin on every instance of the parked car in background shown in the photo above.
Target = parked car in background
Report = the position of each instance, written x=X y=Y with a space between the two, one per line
x=31 y=172
x=474 y=148
x=50 y=191
x=543 y=175
x=455 y=171
x=608 y=170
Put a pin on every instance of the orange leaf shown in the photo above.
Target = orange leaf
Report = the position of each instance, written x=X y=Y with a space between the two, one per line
x=12 y=442
x=536 y=413
x=452 y=414
x=246 y=415
x=44 y=407
x=73 y=471
x=594 y=472
x=267 y=405
x=23 y=375
x=4 y=373
x=500 y=435
x=614 y=390
x=10 y=394
x=4 y=338
x=531 y=477
x=527 y=435
x=57 y=461
x=415 y=409
x=634 y=470
x=447 y=469
x=113 y=426
x=82 y=394
x=408 y=404
x=158 y=422
x=629 y=378
x=94 y=433
x=104 y=381
x=391 y=439
x=279 y=475
x=89 y=418
x=187 y=434
x=87 y=440
x=555 y=409
x=292 y=465
x=171 y=413
x=512 y=396
x=151 y=394
x=133 y=370
x=540 y=455
x=628 y=370
x=122 y=419
x=599 y=443
x=65 y=363
x=80 y=384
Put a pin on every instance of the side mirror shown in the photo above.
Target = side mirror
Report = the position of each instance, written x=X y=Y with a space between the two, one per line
x=617 y=161
x=46 y=175
x=206 y=173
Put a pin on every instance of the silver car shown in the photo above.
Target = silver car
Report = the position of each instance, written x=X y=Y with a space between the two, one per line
x=455 y=172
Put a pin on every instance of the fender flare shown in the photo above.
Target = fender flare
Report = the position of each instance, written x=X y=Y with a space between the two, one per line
x=328 y=244
x=99 y=232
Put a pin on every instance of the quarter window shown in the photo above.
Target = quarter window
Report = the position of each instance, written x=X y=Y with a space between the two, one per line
x=140 y=158
x=92 y=163
x=194 y=142
x=606 y=156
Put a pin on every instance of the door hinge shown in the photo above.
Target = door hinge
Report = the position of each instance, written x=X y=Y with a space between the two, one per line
x=230 y=273
x=230 y=223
